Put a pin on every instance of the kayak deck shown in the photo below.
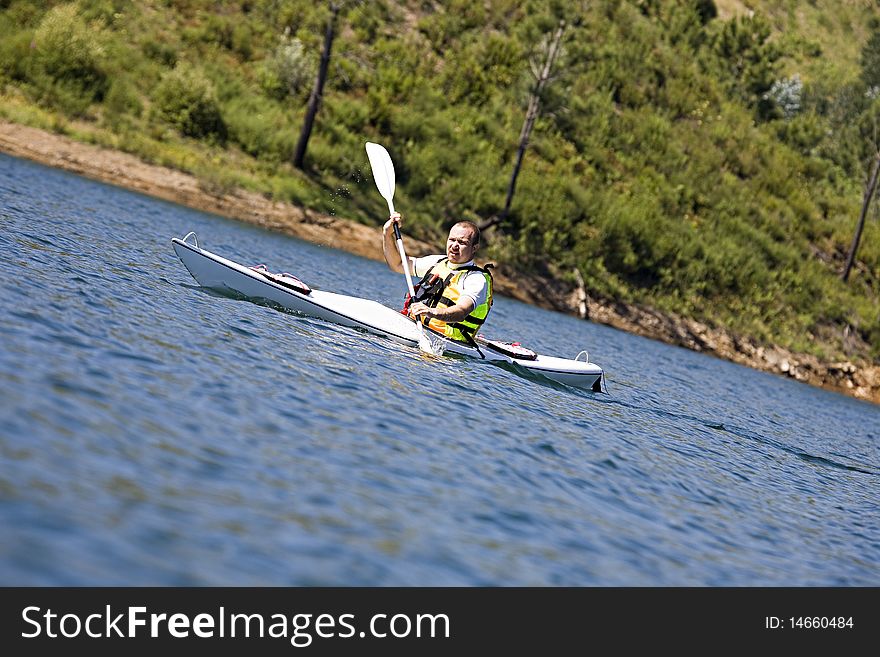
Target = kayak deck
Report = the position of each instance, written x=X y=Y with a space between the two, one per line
x=213 y=271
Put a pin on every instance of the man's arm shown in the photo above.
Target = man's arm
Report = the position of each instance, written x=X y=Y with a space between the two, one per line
x=389 y=245
x=454 y=313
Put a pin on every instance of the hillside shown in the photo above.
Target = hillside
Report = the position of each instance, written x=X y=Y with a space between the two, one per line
x=702 y=161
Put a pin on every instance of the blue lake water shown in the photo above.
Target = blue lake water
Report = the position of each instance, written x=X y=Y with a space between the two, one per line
x=156 y=433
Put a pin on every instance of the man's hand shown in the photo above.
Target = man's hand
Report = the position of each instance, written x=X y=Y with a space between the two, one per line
x=454 y=313
x=419 y=310
x=394 y=218
x=389 y=250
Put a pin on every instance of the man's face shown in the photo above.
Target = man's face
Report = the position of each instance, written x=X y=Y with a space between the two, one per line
x=459 y=245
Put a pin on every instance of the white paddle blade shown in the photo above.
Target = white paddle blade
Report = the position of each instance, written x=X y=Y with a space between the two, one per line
x=383 y=171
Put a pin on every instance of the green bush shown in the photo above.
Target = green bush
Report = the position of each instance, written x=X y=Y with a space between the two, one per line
x=121 y=104
x=747 y=56
x=804 y=133
x=262 y=128
x=103 y=11
x=160 y=52
x=67 y=65
x=289 y=71
x=24 y=13
x=15 y=55
x=185 y=98
x=480 y=69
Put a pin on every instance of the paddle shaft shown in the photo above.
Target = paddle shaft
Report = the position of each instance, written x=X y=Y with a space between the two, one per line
x=383 y=173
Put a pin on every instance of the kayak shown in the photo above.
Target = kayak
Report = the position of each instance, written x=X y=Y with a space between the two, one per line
x=257 y=282
x=216 y=272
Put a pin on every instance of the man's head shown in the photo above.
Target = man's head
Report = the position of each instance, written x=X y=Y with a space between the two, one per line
x=463 y=242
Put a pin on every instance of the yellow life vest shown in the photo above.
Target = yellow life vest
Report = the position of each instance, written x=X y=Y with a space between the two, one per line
x=440 y=287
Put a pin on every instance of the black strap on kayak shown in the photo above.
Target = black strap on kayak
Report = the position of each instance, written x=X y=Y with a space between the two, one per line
x=468 y=333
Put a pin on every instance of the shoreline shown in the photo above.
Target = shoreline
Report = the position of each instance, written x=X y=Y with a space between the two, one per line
x=855 y=379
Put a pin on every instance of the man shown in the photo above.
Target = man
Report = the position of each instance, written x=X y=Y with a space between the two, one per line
x=454 y=296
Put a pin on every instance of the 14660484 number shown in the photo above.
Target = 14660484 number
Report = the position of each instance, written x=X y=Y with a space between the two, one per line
x=821 y=622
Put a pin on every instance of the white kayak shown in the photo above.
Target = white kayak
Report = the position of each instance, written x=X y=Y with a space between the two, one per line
x=215 y=272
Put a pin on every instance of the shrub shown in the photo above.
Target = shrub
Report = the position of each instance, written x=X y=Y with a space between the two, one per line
x=481 y=68
x=104 y=11
x=15 y=54
x=260 y=127
x=747 y=56
x=185 y=98
x=121 y=104
x=160 y=52
x=67 y=66
x=804 y=133
x=787 y=95
x=289 y=70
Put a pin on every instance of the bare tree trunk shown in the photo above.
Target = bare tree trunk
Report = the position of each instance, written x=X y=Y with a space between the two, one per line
x=529 y=123
x=869 y=193
x=317 y=91
x=583 y=308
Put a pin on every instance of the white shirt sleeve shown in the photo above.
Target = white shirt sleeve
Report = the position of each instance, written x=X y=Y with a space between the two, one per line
x=474 y=286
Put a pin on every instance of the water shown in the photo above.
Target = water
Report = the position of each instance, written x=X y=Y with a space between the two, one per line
x=155 y=433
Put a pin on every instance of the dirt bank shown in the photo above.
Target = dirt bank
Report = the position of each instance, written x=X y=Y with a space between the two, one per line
x=858 y=379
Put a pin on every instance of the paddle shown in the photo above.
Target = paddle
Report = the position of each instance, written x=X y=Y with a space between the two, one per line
x=383 y=174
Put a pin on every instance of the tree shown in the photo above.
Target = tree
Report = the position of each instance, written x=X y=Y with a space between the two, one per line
x=317 y=94
x=871 y=79
x=870 y=189
x=542 y=77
